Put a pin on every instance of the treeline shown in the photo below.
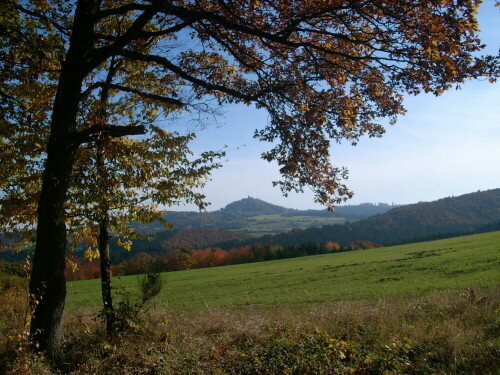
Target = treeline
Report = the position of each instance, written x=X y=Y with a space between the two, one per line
x=491 y=227
x=209 y=257
x=143 y=262
x=173 y=239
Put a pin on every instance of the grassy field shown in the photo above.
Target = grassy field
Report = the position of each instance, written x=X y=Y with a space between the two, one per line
x=398 y=271
x=395 y=310
x=272 y=224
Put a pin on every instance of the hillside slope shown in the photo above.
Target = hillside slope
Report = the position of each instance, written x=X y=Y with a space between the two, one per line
x=452 y=214
x=396 y=271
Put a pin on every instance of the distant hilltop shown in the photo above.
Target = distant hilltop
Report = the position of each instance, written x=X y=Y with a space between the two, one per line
x=236 y=215
x=253 y=207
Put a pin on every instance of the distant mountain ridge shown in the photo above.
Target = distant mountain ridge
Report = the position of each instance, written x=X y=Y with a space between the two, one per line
x=228 y=225
x=253 y=207
x=453 y=214
x=235 y=215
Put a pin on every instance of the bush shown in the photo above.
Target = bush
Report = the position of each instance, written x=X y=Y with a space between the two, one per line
x=129 y=313
x=149 y=286
x=362 y=245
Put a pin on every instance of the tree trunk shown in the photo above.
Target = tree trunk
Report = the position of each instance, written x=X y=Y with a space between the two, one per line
x=47 y=283
x=107 y=298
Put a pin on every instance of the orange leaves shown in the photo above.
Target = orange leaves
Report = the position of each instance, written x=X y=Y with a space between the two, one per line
x=209 y=257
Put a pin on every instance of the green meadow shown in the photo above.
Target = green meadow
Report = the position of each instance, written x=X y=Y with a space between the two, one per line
x=271 y=224
x=423 y=308
x=398 y=271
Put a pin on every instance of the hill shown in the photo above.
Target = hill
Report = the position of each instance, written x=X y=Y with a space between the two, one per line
x=253 y=207
x=242 y=214
x=428 y=308
x=453 y=214
x=238 y=221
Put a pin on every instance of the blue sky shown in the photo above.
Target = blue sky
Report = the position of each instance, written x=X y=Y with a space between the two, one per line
x=449 y=145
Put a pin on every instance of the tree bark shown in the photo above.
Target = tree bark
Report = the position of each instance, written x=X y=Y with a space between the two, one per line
x=107 y=299
x=48 y=283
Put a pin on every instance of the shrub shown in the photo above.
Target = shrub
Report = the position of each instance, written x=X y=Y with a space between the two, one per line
x=362 y=245
x=149 y=286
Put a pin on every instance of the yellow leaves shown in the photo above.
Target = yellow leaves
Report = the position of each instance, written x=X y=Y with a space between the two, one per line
x=303 y=107
x=433 y=54
x=254 y=4
x=125 y=244
x=70 y=265
x=41 y=5
x=91 y=254
x=88 y=234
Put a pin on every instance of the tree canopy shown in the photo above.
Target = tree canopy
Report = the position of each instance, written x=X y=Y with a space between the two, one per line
x=325 y=70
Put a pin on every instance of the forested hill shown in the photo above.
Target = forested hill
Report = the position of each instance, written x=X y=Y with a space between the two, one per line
x=253 y=207
x=237 y=215
x=454 y=214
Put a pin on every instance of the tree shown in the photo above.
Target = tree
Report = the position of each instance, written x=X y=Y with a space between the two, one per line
x=116 y=179
x=124 y=180
x=324 y=70
x=120 y=180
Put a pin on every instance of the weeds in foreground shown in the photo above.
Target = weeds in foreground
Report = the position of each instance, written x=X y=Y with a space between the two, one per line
x=446 y=333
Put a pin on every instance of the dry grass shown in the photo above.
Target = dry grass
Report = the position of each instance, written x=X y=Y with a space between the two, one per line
x=444 y=333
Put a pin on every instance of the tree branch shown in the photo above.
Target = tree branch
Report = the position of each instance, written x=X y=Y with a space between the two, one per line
x=101 y=54
x=120 y=10
x=142 y=94
x=88 y=135
x=150 y=34
x=162 y=61
x=43 y=17
x=219 y=20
